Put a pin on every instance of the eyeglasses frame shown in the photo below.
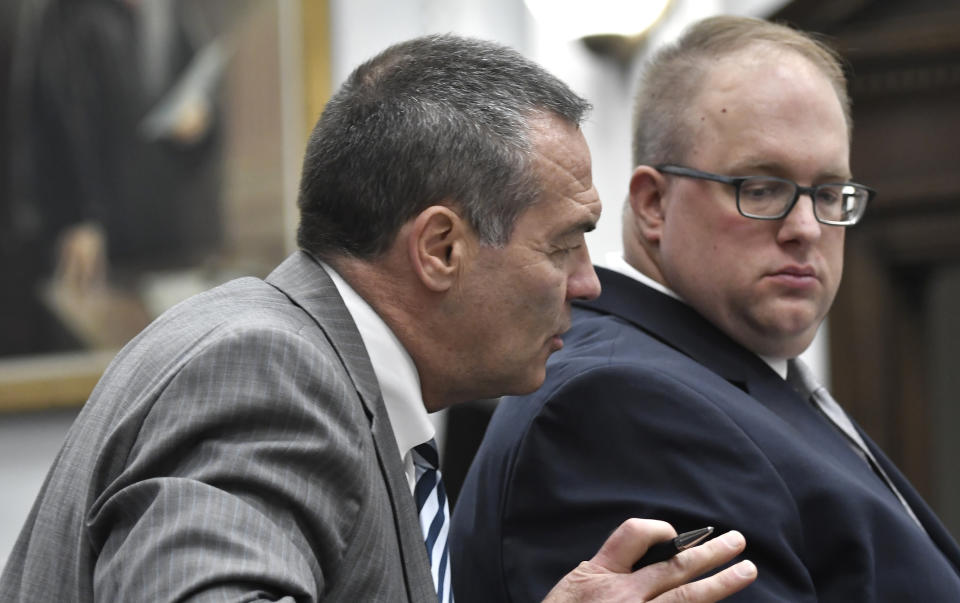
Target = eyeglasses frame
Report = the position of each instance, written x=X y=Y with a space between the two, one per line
x=737 y=182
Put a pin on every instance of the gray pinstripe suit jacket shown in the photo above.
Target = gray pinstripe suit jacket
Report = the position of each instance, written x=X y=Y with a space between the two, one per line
x=236 y=450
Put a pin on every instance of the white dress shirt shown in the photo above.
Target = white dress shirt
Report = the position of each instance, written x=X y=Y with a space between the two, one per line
x=396 y=375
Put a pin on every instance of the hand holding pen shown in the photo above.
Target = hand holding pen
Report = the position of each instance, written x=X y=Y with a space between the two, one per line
x=608 y=575
x=668 y=548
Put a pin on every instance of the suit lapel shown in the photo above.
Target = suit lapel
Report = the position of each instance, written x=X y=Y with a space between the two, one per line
x=309 y=286
x=677 y=325
x=931 y=523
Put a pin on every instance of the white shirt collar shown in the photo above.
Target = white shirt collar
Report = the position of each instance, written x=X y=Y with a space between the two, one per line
x=614 y=261
x=395 y=371
x=779 y=365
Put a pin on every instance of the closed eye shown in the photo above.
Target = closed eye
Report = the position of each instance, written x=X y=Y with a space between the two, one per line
x=567 y=249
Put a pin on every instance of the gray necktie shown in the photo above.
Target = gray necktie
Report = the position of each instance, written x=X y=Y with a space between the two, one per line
x=801 y=378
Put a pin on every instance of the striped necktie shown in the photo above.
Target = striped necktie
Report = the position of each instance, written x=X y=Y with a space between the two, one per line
x=431 y=501
x=801 y=377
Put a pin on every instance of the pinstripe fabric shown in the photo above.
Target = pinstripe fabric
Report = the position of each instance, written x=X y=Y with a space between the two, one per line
x=237 y=449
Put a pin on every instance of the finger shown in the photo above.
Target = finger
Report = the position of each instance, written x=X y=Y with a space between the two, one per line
x=69 y=268
x=97 y=271
x=694 y=561
x=719 y=586
x=630 y=541
x=89 y=258
x=77 y=270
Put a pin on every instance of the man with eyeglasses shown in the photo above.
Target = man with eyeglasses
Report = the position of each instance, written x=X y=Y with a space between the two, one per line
x=678 y=394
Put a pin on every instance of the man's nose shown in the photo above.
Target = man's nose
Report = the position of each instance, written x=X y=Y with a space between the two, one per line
x=801 y=222
x=583 y=283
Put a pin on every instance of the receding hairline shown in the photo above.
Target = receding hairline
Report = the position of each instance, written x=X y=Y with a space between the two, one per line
x=676 y=74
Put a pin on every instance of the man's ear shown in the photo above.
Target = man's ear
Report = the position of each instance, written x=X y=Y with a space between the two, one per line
x=647 y=192
x=436 y=246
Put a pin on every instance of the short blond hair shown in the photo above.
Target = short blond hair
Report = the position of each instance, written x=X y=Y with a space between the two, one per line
x=672 y=78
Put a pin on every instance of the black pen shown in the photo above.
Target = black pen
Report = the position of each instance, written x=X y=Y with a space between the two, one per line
x=668 y=548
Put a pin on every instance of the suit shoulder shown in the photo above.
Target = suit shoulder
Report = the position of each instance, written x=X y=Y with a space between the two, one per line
x=221 y=356
x=245 y=309
x=609 y=349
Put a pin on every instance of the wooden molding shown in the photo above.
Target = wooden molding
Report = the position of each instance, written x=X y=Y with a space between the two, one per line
x=317 y=73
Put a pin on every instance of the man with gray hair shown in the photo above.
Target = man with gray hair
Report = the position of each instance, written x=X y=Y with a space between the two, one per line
x=268 y=440
x=678 y=394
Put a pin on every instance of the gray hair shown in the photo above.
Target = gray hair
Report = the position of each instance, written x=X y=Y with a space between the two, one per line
x=434 y=120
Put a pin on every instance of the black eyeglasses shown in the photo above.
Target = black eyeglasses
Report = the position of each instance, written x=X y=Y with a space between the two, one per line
x=769 y=198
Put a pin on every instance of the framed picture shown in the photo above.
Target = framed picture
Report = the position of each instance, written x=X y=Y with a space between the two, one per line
x=149 y=150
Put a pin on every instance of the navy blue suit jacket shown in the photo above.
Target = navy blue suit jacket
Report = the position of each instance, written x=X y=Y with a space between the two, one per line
x=650 y=411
